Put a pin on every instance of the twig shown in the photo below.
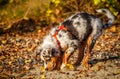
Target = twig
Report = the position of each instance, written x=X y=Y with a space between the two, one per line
x=27 y=12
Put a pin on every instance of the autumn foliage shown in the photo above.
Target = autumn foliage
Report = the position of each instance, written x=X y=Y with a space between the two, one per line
x=24 y=23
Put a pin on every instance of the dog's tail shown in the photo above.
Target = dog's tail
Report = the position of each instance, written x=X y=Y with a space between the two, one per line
x=109 y=15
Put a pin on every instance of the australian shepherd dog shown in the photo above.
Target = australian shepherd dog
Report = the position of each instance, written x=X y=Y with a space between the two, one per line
x=79 y=32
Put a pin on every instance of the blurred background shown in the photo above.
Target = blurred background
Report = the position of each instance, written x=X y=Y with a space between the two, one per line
x=50 y=12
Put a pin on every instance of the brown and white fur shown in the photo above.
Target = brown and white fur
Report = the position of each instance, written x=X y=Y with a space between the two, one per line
x=85 y=27
x=50 y=52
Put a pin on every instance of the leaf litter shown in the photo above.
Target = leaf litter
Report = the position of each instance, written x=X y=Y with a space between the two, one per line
x=18 y=56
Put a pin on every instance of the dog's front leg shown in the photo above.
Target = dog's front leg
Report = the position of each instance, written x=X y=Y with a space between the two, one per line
x=66 y=56
x=65 y=59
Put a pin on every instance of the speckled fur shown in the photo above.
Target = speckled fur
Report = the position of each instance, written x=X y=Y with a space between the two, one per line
x=87 y=27
x=49 y=47
x=81 y=27
x=83 y=24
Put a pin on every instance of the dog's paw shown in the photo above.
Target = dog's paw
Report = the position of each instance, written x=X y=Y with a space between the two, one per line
x=62 y=66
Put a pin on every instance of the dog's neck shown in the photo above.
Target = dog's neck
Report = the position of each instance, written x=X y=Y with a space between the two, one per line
x=61 y=27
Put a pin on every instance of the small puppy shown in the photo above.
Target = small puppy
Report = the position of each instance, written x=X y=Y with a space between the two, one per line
x=54 y=45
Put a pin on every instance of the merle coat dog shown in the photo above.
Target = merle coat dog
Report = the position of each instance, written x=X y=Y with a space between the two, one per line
x=79 y=32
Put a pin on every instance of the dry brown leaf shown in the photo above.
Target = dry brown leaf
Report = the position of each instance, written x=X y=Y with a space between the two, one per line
x=112 y=29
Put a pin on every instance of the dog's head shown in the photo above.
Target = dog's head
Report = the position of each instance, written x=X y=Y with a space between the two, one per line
x=49 y=57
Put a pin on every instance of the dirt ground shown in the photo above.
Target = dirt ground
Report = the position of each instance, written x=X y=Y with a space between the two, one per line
x=18 y=57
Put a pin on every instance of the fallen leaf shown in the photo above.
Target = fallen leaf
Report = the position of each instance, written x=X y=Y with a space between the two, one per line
x=112 y=29
x=70 y=66
x=2 y=57
x=27 y=60
x=43 y=76
x=4 y=41
x=43 y=69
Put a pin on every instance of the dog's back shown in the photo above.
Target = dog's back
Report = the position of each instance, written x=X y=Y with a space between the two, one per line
x=83 y=24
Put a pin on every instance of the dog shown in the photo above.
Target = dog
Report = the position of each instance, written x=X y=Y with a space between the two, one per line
x=57 y=42
x=79 y=32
